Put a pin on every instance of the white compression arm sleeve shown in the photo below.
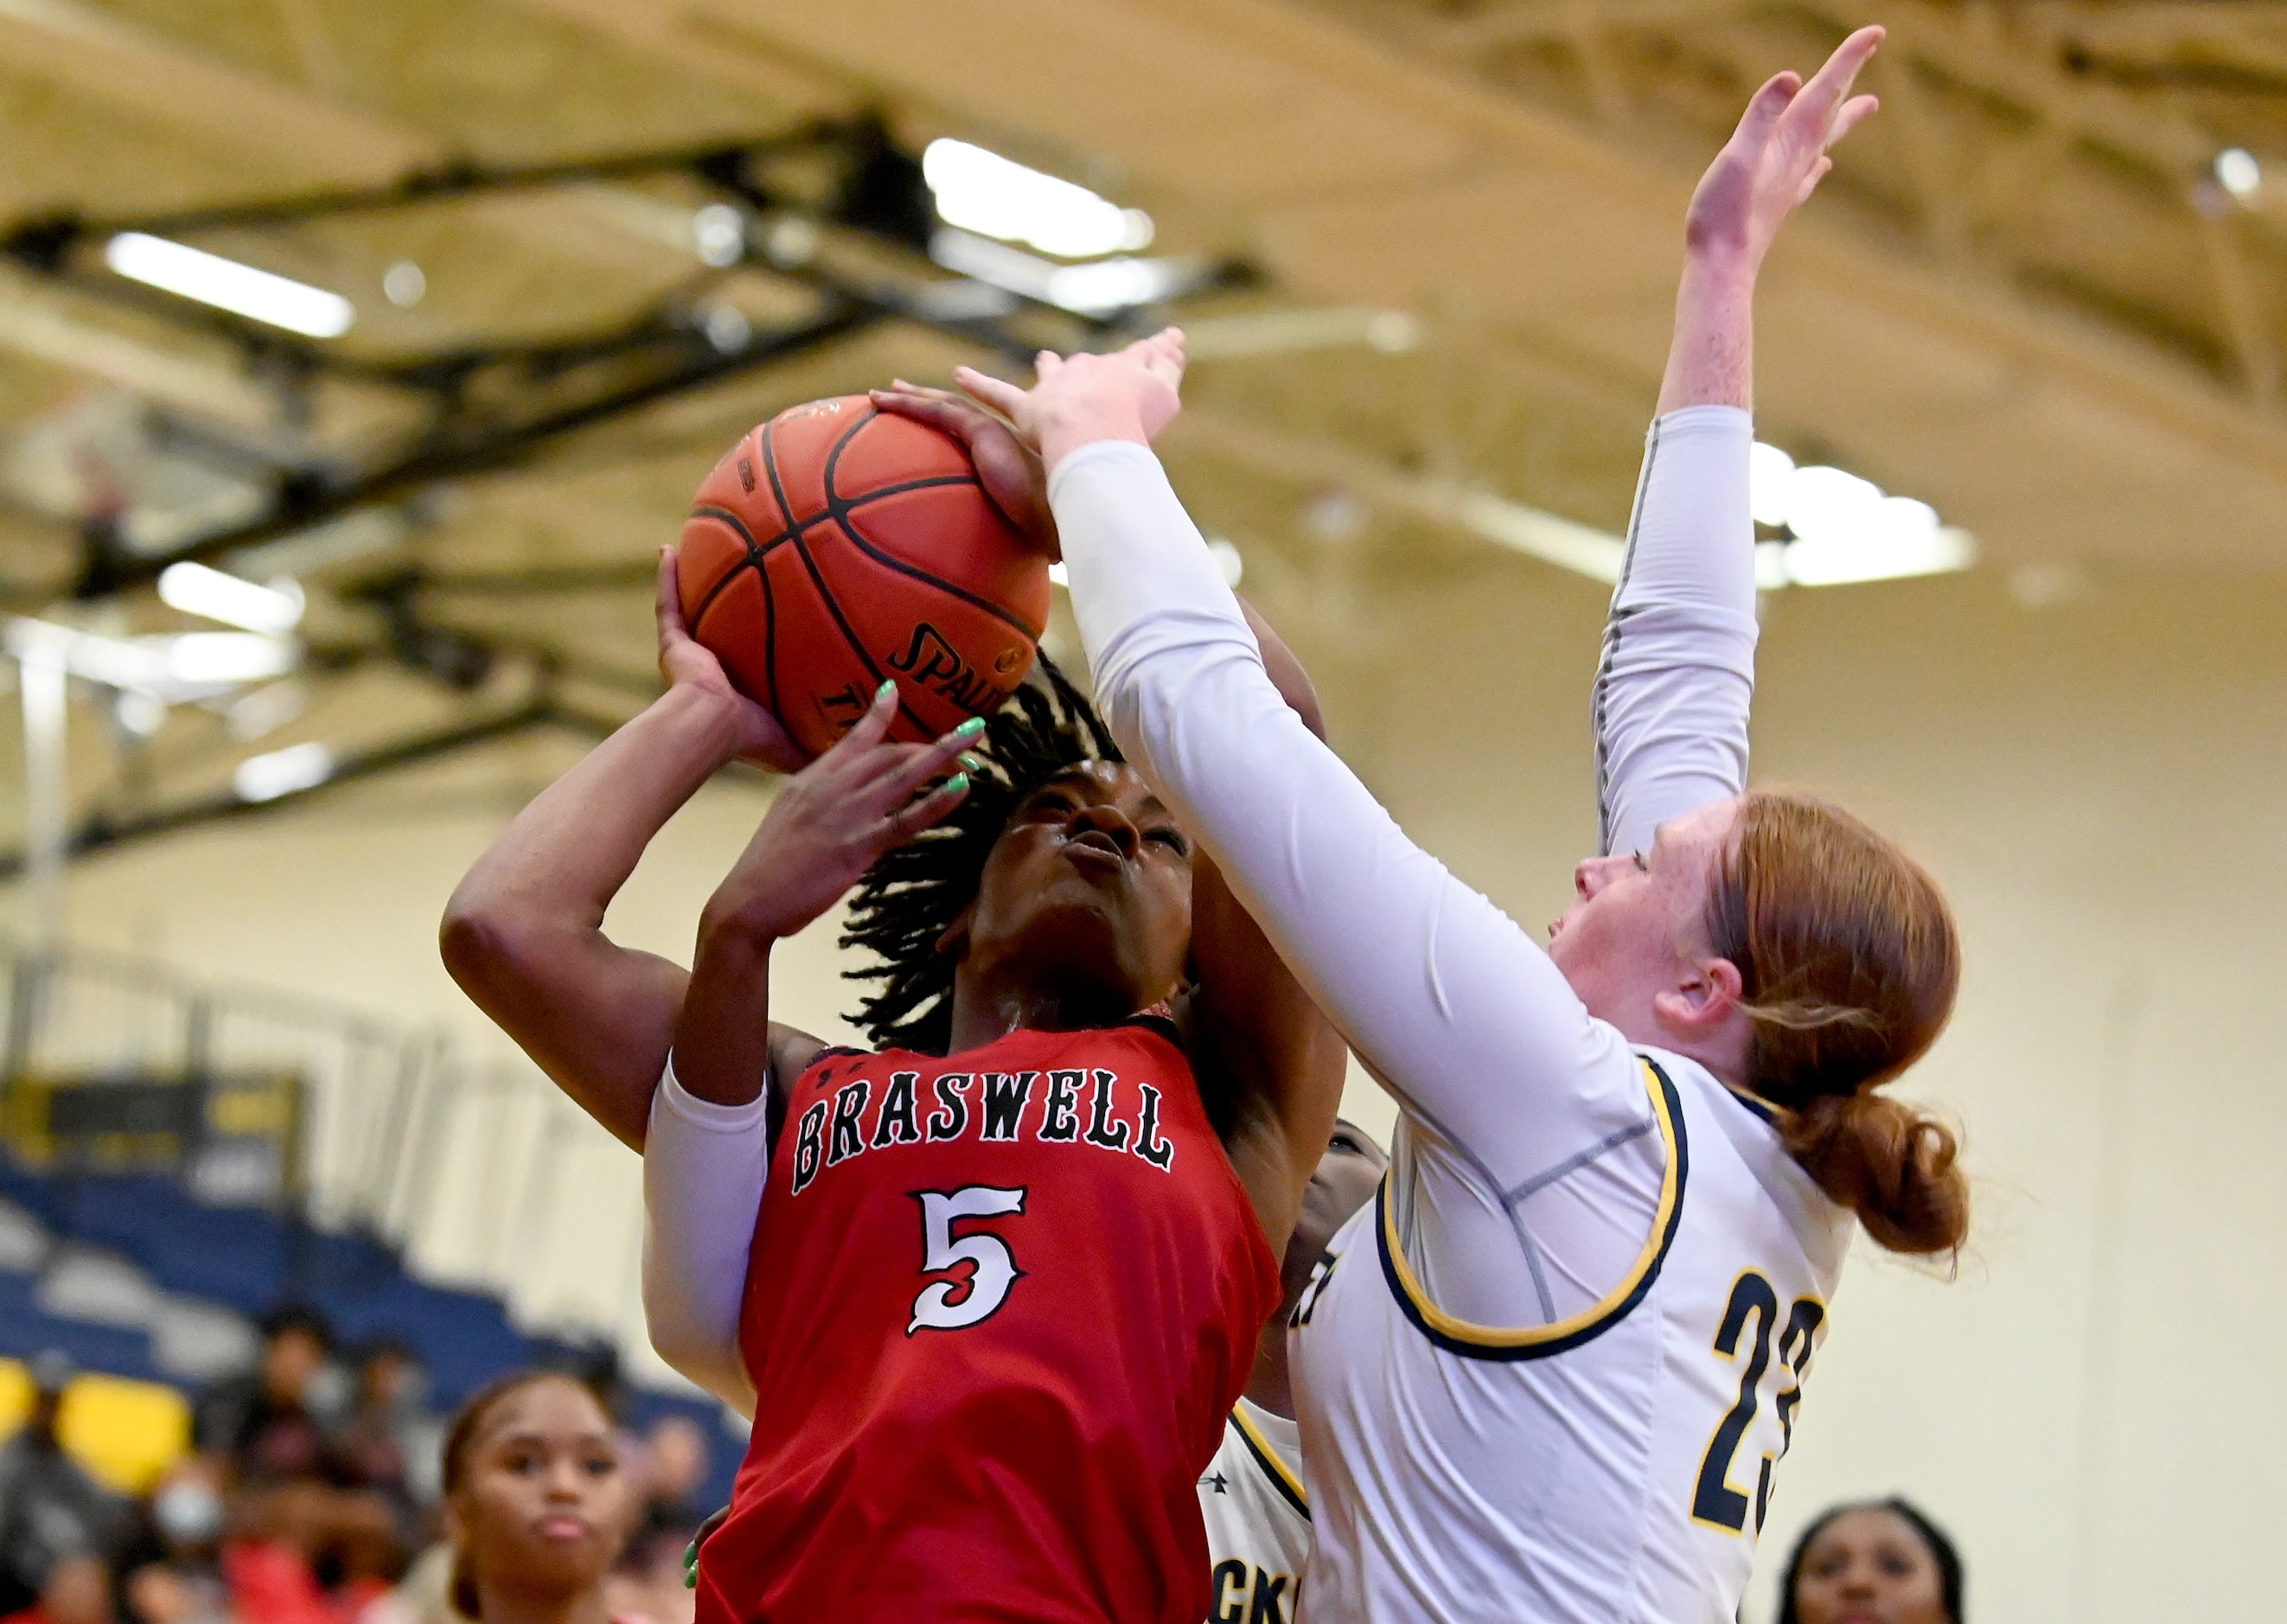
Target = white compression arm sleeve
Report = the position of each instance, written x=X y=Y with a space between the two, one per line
x=705 y=1167
x=1442 y=996
x=1504 y=1077
x=1678 y=672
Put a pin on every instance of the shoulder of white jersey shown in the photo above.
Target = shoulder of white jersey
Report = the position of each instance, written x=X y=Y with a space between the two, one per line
x=1285 y=1476
x=1747 y=1131
x=1460 y=1336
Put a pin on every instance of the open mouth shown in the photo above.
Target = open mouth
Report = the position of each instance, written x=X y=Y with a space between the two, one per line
x=1093 y=847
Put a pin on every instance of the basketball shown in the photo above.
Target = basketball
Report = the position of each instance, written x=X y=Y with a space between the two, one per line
x=836 y=546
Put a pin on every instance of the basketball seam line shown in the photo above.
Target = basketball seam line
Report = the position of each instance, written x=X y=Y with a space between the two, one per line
x=817 y=577
x=754 y=562
x=708 y=511
x=839 y=509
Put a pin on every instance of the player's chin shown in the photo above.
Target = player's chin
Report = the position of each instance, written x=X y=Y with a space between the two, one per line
x=565 y=1562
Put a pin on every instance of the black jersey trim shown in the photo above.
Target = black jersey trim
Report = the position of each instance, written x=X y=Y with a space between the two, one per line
x=1290 y=1488
x=1158 y=1024
x=1748 y=1102
x=1501 y=1343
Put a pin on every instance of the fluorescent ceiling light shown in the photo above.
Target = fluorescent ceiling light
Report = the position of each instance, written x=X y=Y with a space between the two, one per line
x=2239 y=173
x=718 y=234
x=114 y=662
x=298 y=766
x=214 y=595
x=1843 y=529
x=1098 y=289
x=189 y=665
x=1769 y=472
x=1280 y=332
x=984 y=192
x=1225 y=553
x=1582 y=549
x=1839 y=562
x=176 y=267
x=403 y=284
x=221 y=659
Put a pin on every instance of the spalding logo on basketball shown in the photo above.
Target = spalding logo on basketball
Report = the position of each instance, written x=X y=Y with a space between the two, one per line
x=835 y=546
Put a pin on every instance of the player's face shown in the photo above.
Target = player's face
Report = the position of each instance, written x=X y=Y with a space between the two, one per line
x=545 y=1506
x=1869 y=1566
x=1345 y=1179
x=1343 y=1182
x=1091 y=882
x=1638 y=924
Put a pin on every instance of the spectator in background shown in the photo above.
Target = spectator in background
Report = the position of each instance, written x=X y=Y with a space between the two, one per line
x=648 y=1580
x=273 y=1424
x=392 y=1444
x=170 y=1569
x=675 y=1469
x=78 y=1591
x=1871 y=1562
x=537 y=1502
x=51 y=1510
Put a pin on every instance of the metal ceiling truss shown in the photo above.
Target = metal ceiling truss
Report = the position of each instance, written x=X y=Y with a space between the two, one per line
x=1994 y=101
x=484 y=407
x=489 y=406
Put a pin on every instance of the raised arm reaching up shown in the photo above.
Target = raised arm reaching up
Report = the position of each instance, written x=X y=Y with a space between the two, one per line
x=1676 y=674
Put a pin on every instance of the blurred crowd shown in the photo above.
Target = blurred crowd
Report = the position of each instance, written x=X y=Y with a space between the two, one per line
x=313 y=1493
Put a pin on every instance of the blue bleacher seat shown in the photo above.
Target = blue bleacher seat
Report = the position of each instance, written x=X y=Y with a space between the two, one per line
x=26 y=1330
x=251 y=1260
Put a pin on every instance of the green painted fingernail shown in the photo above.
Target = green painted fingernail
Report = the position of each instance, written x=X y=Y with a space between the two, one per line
x=971 y=728
x=958 y=784
x=888 y=686
x=972 y=762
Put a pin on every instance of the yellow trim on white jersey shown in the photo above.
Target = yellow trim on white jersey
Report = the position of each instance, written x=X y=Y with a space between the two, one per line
x=1462 y=1336
x=1281 y=1475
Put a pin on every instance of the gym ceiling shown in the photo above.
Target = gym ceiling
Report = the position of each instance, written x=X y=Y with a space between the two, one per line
x=1427 y=253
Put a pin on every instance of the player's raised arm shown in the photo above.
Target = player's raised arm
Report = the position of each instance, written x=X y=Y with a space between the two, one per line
x=1444 y=998
x=1673 y=686
x=1261 y=1042
x=524 y=932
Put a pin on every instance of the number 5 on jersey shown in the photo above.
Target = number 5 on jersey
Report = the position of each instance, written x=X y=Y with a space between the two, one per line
x=950 y=1305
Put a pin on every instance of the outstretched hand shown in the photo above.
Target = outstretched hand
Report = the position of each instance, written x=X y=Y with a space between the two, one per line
x=1777 y=156
x=825 y=830
x=1131 y=394
x=1010 y=470
x=687 y=663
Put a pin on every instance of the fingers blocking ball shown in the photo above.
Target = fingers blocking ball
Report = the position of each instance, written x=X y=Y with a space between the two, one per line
x=836 y=546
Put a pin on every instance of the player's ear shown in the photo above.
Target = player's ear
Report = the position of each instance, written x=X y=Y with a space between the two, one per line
x=1703 y=998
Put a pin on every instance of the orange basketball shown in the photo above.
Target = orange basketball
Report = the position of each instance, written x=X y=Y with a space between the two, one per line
x=836 y=546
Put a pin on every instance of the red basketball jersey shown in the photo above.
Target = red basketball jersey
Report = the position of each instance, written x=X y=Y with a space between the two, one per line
x=999 y=1307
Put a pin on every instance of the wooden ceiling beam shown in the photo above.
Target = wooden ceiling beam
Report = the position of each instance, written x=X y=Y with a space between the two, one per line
x=99 y=58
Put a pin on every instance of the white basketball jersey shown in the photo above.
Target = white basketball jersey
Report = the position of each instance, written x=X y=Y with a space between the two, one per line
x=1613 y=1466
x=1258 y=1518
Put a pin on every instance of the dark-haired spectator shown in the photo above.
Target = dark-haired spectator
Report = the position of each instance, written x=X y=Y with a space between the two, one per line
x=271 y=1424
x=648 y=1582
x=391 y=1443
x=675 y=1469
x=1871 y=1562
x=537 y=1502
x=52 y=1510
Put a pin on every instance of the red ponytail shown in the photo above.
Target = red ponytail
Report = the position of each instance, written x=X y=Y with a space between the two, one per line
x=1849 y=962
